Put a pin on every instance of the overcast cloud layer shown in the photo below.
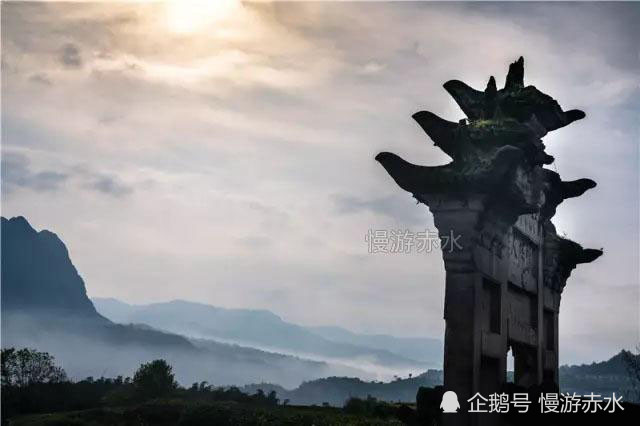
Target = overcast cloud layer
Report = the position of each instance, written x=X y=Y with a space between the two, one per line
x=233 y=164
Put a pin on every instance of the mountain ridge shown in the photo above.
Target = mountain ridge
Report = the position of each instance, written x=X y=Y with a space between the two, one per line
x=40 y=260
x=262 y=328
x=45 y=306
x=602 y=377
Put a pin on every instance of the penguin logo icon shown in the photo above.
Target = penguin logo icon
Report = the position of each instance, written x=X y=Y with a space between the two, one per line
x=449 y=402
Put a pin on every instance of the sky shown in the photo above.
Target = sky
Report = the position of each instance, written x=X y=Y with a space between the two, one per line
x=224 y=153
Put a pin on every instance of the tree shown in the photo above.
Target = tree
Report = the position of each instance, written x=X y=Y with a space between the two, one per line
x=25 y=367
x=155 y=379
x=272 y=398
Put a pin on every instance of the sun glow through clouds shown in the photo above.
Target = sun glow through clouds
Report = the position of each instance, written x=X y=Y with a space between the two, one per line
x=190 y=16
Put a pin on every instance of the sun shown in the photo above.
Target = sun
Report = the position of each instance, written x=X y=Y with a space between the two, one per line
x=189 y=16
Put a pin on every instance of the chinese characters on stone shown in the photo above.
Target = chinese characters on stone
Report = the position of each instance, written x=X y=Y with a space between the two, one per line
x=406 y=241
x=549 y=403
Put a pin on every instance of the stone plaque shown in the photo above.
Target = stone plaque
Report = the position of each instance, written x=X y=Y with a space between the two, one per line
x=523 y=260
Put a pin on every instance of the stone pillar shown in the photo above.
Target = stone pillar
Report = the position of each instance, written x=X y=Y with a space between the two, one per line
x=474 y=352
x=461 y=348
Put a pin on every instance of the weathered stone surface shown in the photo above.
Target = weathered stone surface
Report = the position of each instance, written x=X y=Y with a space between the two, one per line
x=515 y=100
x=515 y=76
x=556 y=191
x=561 y=256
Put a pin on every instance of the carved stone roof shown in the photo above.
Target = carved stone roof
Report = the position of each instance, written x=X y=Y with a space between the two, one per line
x=497 y=151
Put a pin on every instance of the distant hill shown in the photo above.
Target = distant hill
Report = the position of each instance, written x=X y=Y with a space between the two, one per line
x=37 y=274
x=45 y=306
x=616 y=365
x=336 y=390
x=424 y=349
x=263 y=329
x=42 y=289
x=602 y=377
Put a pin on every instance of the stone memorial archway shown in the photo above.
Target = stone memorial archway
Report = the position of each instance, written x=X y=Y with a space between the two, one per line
x=505 y=278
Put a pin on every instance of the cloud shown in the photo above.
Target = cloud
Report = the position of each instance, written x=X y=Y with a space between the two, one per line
x=40 y=78
x=17 y=173
x=256 y=242
x=70 y=56
x=398 y=207
x=100 y=182
x=109 y=185
x=372 y=68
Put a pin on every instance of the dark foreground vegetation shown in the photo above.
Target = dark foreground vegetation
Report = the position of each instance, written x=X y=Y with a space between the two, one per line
x=183 y=413
x=35 y=392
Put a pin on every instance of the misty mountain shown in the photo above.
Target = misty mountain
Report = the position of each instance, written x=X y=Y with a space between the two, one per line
x=37 y=274
x=423 y=349
x=45 y=306
x=337 y=390
x=263 y=329
x=602 y=378
x=616 y=365
x=118 y=350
